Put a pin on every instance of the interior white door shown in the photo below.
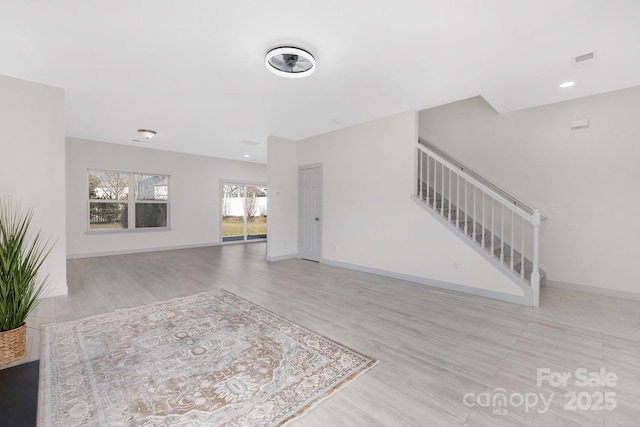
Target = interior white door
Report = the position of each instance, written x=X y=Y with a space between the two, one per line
x=310 y=213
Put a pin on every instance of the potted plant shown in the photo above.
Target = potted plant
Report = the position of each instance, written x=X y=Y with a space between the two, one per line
x=21 y=287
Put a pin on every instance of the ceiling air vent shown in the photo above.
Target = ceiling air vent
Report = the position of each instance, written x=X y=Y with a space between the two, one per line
x=585 y=59
x=247 y=142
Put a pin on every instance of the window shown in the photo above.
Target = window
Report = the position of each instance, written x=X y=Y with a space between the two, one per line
x=125 y=201
x=244 y=212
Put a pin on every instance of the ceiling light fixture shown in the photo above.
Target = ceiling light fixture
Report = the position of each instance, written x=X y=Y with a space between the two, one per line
x=567 y=84
x=292 y=62
x=247 y=142
x=147 y=133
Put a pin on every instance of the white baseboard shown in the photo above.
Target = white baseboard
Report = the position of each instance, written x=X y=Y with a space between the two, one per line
x=516 y=299
x=281 y=257
x=634 y=296
x=141 y=250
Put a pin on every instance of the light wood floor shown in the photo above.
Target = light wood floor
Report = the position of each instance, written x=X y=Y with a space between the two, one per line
x=433 y=346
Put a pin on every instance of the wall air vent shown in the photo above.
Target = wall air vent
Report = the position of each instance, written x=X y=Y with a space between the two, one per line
x=585 y=59
x=579 y=124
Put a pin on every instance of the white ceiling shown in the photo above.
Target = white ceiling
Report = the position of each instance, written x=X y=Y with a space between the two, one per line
x=194 y=70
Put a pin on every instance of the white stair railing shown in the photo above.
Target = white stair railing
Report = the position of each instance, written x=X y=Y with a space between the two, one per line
x=500 y=225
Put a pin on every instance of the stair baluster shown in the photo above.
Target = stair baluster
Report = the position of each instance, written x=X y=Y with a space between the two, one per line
x=482 y=242
x=449 y=204
x=442 y=190
x=502 y=234
x=535 y=272
x=458 y=201
x=435 y=184
x=474 y=213
x=492 y=226
x=466 y=208
x=512 y=239
x=420 y=168
x=522 y=253
x=428 y=178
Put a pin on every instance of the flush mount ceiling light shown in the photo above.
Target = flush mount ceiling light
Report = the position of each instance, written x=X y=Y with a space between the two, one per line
x=146 y=133
x=567 y=84
x=292 y=62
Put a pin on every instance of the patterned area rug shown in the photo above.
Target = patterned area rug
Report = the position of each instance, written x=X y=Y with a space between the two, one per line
x=204 y=360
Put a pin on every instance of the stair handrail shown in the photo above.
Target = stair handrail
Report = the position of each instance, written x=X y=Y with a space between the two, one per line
x=533 y=216
x=506 y=197
x=478 y=184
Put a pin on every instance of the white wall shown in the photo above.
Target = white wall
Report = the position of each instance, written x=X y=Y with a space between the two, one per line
x=282 y=224
x=585 y=180
x=371 y=223
x=195 y=199
x=33 y=163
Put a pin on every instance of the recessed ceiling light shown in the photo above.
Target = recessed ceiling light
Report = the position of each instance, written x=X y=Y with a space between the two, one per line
x=246 y=155
x=567 y=84
x=292 y=62
x=147 y=133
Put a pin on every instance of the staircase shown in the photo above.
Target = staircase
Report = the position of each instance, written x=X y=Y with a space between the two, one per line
x=493 y=222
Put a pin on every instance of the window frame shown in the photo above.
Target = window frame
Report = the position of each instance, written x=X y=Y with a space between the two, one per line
x=245 y=184
x=130 y=202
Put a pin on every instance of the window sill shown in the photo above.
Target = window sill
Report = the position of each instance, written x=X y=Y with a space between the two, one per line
x=129 y=230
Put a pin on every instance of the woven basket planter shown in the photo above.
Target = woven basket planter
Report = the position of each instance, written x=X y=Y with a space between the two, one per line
x=13 y=344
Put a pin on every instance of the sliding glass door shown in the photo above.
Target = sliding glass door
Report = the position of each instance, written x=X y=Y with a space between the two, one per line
x=244 y=212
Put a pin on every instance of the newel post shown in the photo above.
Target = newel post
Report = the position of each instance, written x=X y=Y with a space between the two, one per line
x=535 y=274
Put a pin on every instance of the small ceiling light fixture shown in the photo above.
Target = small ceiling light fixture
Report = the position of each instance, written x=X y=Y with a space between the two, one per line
x=292 y=62
x=147 y=133
x=246 y=156
x=567 y=84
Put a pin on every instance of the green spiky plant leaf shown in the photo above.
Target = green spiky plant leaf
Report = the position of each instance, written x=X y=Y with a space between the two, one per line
x=21 y=256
